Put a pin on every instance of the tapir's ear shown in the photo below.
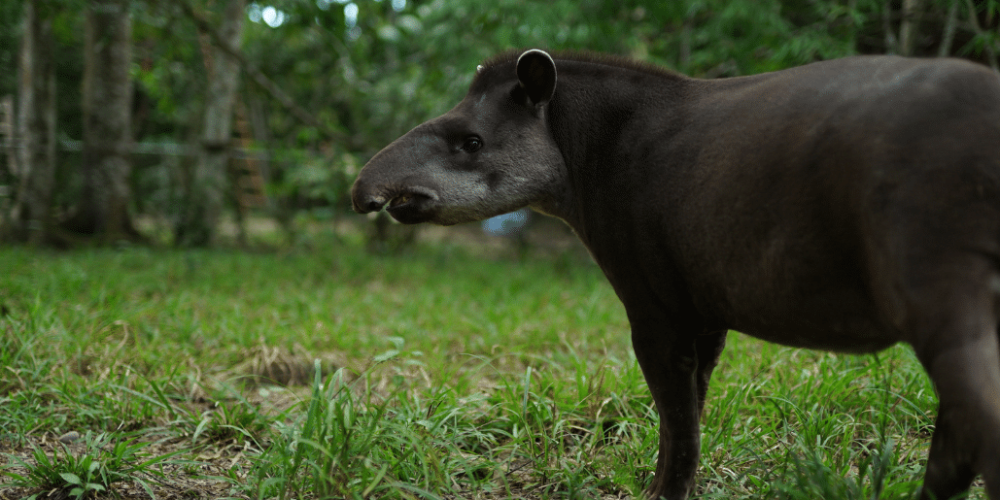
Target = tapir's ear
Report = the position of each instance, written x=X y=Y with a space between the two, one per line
x=536 y=72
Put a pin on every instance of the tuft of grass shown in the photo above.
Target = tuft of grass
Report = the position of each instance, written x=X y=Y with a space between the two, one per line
x=235 y=422
x=105 y=459
x=345 y=445
x=811 y=475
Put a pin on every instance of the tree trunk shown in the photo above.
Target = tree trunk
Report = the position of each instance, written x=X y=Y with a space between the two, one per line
x=36 y=127
x=891 y=43
x=208 y=182
x=107 y=125
x=948 y=37
x=909 y=27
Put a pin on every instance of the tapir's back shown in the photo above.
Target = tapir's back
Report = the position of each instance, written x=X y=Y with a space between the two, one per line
x=813 y=187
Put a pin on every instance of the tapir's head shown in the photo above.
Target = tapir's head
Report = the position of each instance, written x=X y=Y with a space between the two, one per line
x=491 y=154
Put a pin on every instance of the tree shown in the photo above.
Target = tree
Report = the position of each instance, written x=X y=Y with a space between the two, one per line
x=908 y=27
x=102 y=211
x=208 y=181
x=36 y=127
x=331 y=82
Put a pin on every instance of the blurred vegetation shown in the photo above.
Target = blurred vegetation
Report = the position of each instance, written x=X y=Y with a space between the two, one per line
x=369 y=70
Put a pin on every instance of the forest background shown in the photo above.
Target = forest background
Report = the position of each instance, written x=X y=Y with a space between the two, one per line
x=154 y=120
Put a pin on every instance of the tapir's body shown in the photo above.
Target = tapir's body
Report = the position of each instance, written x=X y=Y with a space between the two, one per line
x=845 y=205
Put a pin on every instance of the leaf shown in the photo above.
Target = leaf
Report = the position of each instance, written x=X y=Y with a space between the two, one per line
x=71 y=478
x=386 y=356
x=374 y=482
x=389 y=33
x=410 y=24
x=397 y=342
x=201 y=428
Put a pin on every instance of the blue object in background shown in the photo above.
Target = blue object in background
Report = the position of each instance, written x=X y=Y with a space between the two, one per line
x=509 y=224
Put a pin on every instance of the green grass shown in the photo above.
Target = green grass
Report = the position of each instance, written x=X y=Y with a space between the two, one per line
x=335 y=374
x=104 y=460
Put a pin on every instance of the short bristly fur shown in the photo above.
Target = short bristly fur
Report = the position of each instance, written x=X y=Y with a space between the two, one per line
x=845 y=205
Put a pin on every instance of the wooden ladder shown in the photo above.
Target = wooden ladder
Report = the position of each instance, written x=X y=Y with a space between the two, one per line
x=248 y=181
x=7 y=132
x=8 y=146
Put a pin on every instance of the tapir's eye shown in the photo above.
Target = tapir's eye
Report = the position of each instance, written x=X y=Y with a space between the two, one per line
x=472 y=144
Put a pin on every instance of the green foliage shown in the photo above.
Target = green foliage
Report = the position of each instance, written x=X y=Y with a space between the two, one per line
x=349 y=447
x=232 y=422
x=371 y=77
x=10 y=40
x=170 y=78
x=105 y=459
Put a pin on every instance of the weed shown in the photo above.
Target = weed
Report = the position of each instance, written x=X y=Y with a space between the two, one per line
x=348 y=445
x=104 y=460
x=233 y=422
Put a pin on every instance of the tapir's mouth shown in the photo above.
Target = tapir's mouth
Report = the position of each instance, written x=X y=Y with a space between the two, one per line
x=401 y=200
x=410 y=207
x=410 y=198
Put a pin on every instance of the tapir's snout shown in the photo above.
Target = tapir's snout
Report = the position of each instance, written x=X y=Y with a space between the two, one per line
x=365 y=200
x=387 y=179
x=408 y=202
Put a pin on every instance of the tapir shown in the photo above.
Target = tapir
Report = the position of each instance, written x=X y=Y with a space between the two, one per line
x=844 y=205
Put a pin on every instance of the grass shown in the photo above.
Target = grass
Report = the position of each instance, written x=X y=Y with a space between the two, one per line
x=103 y=461
x=437 y=373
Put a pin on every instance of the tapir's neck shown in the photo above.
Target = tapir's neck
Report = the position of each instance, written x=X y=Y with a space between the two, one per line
x=604 y=120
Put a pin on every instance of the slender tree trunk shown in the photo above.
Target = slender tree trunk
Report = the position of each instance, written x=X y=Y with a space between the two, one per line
x=207 y=190
x=36 y=127
x=107 y=124
x=948 y=37
x=891 y=43
x=909 y=26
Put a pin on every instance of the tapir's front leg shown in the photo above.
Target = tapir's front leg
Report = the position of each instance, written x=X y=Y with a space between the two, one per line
x=669 y=361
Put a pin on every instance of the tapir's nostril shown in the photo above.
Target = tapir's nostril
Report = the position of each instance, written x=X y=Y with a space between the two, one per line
x=374 y=205
x=366 y=202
